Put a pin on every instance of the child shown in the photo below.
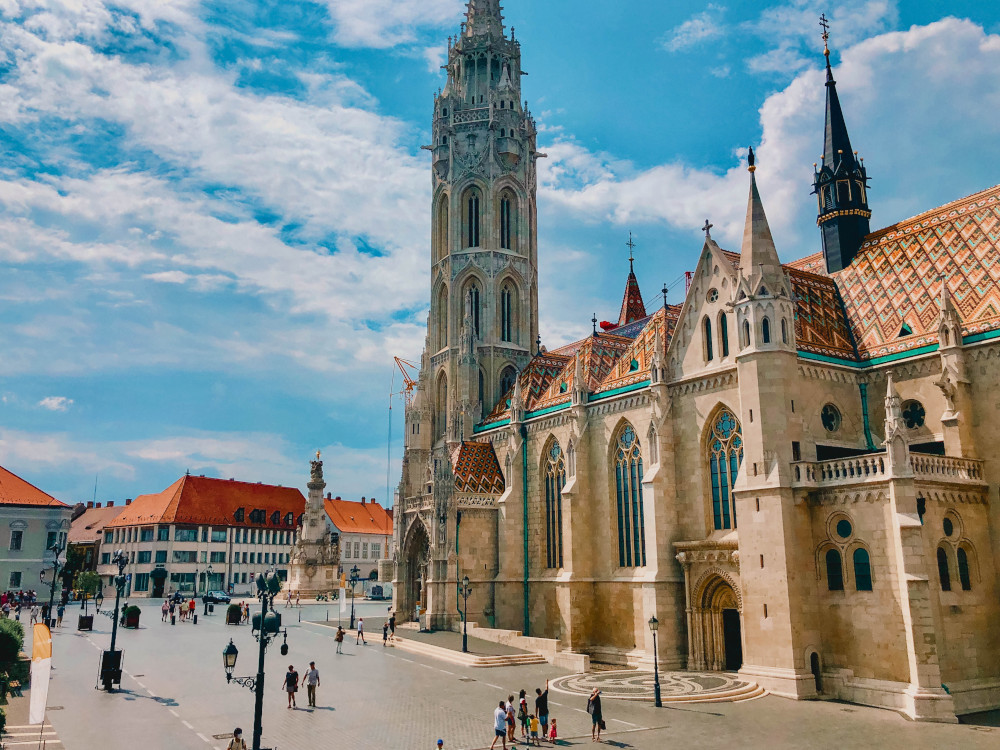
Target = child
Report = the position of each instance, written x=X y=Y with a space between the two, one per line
x=534 y=730
x=385 y=633
x=552 y=732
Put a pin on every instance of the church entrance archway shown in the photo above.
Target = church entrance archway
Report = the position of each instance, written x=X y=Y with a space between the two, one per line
x=416 y=554
x=716 y=627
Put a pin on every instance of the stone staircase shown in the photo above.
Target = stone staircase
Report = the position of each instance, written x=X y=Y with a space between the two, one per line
x=748 y=692
x=467 y=660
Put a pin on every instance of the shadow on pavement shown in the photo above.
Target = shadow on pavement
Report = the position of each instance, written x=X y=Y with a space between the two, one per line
x=131 y=695
x=982 y=719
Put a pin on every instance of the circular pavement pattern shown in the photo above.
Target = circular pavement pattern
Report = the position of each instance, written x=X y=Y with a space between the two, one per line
x=638 y=686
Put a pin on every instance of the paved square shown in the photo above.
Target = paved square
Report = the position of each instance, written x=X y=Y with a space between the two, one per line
x=175 y=697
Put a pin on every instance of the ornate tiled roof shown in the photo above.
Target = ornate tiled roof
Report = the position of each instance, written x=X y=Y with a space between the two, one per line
x=476 y=469
x=814 y=263
x=891 y=289
x=534 y=379
x=633 y=366
x=821 y=325
x=632 y=307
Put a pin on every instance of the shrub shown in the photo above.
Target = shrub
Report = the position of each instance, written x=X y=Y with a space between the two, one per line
x=11 y=640
x=132 y=610
x=3 y=721
x=234 y=612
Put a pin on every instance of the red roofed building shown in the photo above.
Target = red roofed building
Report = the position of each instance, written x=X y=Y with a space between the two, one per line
x=33 y=522
x=365 y=530
x=203 y=534
x=87 y=530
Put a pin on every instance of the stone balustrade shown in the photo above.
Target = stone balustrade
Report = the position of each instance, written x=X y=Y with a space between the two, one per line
x=873 y=467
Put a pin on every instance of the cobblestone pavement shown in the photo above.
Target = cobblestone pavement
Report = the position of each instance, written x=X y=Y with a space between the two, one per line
x=175 y=697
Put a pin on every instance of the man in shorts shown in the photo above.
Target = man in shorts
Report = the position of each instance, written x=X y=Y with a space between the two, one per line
x=500 y=726
x=542 y=708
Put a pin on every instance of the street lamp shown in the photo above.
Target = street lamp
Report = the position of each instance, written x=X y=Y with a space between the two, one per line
x=111 y=661
x=266 y=629
x=56 y=550
x=354 y=582
x=464 y=591
x=208 y=573
x=654 y=625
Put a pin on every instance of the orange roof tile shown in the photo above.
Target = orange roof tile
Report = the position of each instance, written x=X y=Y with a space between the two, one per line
x=16 y=491
x=89 y=525
x=359 y=518
x=207 y=501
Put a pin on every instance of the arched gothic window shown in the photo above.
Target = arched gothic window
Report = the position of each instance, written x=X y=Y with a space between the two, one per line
x=963 y=569
x=482 y=394
x=943 y=572
x=474 y=302
x=834 y=571
x=443 y=228
x=746 y=333
x=506 y=314
x=709 y=354
x=725 y=448
x=505 y=222
x=765 y=331
x=472 y=218
x=862 y=570
x=724 y=334
x=441 y=417
x=555 y=479
x=442 y=311
x=784 y=331
x=507 y=378
x=628 y=494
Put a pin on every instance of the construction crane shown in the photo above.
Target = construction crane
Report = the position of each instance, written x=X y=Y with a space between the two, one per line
x=409 y=383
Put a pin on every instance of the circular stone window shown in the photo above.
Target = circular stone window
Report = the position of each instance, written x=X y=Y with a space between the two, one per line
x=949 y=527
x=914 y=414
x=713 y=295
x=844 y=528
x=831 y=418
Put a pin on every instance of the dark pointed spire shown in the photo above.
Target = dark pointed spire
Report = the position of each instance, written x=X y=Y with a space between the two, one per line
x=841 y=181
x=484 y=17
x=633 y=308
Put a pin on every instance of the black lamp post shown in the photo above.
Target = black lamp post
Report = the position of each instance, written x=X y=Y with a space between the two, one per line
x=464 y=590
x=266 y=628
x=56 y=550
x=208 y=572
x=111 y=663
x=354 y=581
x=654 y=625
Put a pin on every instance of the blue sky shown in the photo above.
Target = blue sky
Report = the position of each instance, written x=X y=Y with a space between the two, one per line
x=214 y=216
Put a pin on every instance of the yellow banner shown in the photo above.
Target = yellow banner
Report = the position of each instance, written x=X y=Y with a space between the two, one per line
x=41 y=647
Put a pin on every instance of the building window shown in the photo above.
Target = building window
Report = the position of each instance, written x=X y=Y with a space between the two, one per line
x=914 y=414
x=709 y=354
x=628 y=486
x=163 y=534
x=109 y=537
x=834 y=571
x=784 y=331
x=943 y=573
x=376 y=551
x=219 y=535
x=218 y=557
x=725 y=447
x=146 y=534
x=724 y=334
x=357 y=550
x=746 y=333
x=105 y=558
x=830 y=417
x=963 y=569
x=161 y=555
x=253 y=536
x=507 y=378
x=50 y=539
x=765 y=331
x=186 y=535
x=15 y=580
x=145 y=556
x=185 y=556
x=16 y=539
x=505 y=216
x=364 y=551
x=141 y=582
x=862 y=570
x=472 y=205
x=474 y=307
x=506 y=314
x=244 y=558
x=204 y=533
x=555 y=480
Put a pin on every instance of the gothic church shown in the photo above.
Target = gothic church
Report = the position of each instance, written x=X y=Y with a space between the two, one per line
x=795 y=470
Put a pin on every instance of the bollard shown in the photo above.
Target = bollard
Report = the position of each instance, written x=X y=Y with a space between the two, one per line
x=173 y=619
x=196 y=619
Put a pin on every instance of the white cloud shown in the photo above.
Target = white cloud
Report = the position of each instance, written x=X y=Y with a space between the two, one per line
x=387 y=23
x=435 y=57
x=700 y=28
x=56 y=403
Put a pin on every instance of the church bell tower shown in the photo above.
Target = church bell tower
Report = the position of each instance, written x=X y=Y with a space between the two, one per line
x=483 y=321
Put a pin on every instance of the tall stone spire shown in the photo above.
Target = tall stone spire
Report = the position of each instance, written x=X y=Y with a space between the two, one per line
x=758 y=254
x=840 y=182
x=633 y=308
x=484 y=17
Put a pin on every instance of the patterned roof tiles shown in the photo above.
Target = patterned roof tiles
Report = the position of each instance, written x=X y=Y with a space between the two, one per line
x=821 y=325
x=634 y=365
x=633 y=308
x=534 y=379
x=477 y=470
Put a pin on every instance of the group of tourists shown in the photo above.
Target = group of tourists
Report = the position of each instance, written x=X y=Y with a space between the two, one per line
x=15 y=601
x=537 y=726
x=183 y=609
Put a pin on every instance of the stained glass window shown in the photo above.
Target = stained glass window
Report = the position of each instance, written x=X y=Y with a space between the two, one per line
x=708 y=340
x=555 y=480
x=473 y=227
x=724 y=334
x=834 y=571
x=474 y=298
x=505 y=223
x=628 y=495
x=862 y=570
x=914 y=414
x=725 y=448
x=506 y=313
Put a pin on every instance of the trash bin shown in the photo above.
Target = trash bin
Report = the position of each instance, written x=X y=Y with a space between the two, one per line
x=211 y=609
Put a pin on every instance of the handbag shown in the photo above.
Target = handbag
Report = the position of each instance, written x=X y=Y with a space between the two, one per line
x=602 y=725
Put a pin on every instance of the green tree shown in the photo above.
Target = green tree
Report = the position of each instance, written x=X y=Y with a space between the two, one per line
x=88 y=583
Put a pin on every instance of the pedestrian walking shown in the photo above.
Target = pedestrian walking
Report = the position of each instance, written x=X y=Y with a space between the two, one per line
x=339 y=638
x=385 y=633
x=288 y=599
x=440 y=744
x=297 y=599
x=237 y=743
x=172 y=605
x=361 y=632
x=392 y=627
x=35 y=611
x=311 y=680
x=60 y=611
x=164 y=610
x=191 y=606
x=500 y=726
x=522 y=714
x=596 y=716
x=511 y=719
x=291 y=685
x=542 y=707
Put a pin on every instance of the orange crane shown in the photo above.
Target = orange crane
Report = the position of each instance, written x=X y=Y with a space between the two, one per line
x=409 y=383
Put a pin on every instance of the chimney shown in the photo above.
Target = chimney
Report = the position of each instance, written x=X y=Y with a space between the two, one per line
x=128 y=501
x=98 y=505
x=362 y=499
x=90 y=504
x=338 y=497
x=329 y=496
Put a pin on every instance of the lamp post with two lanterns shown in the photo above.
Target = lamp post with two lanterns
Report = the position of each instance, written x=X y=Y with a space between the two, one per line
x=355 y=577
x=208 y=578
x=654 y=625
x=267 y=626
x=464 y=591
